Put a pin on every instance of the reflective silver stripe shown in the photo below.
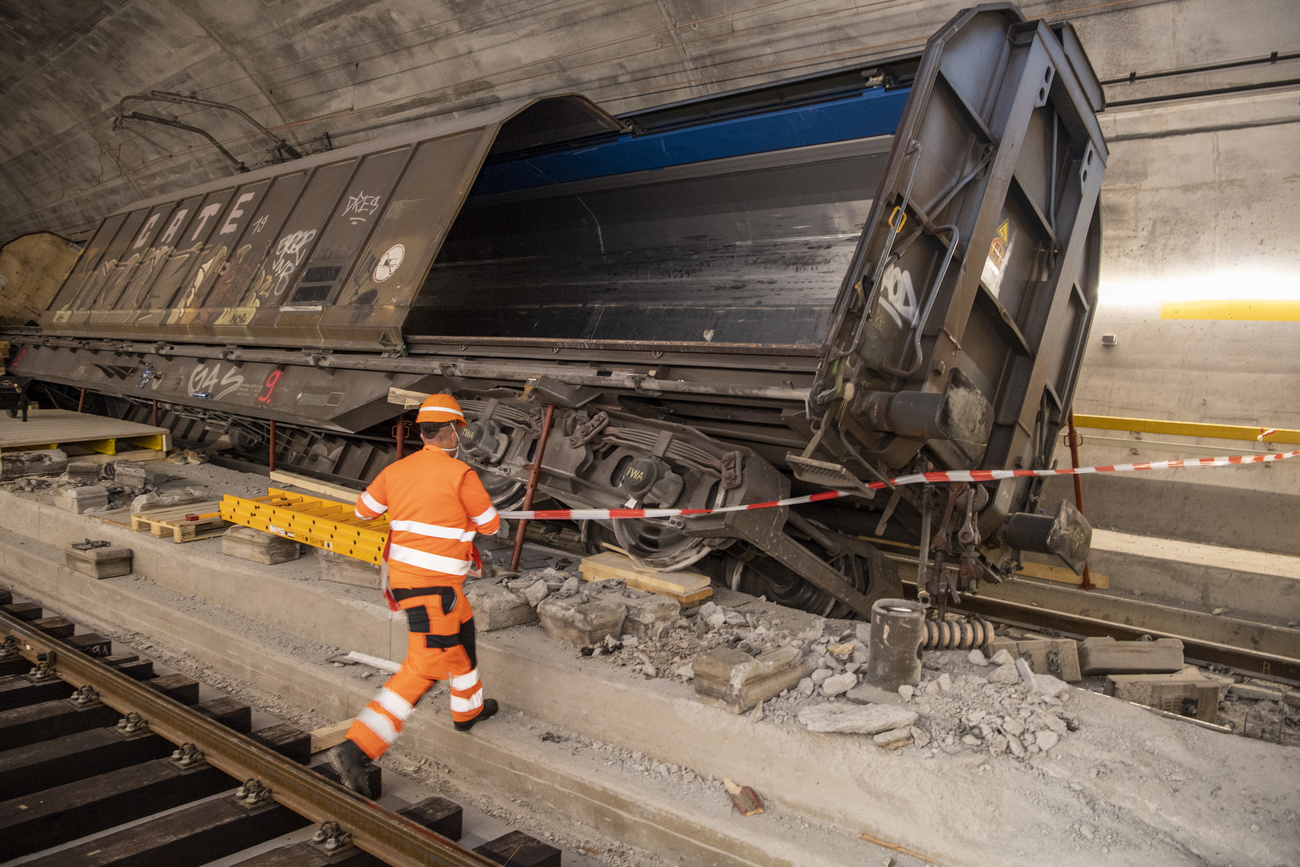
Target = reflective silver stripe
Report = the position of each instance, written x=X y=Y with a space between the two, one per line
x=381 y=725
x=464 y=705
x=425 y=560
x=394 y=704
x=464 y=681
x=431 y=410
x=486 y=516
x=371 y=503
x=435 y=531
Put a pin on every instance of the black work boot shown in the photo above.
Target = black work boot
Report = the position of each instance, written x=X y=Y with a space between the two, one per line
x=348 y=759
x=488 y=709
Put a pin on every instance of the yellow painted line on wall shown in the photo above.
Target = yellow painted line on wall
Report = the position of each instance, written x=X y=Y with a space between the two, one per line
x=1186 y=428
x=1241 y=311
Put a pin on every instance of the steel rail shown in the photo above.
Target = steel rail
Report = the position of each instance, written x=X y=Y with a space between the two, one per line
x=1269 y=665
x=375 y=829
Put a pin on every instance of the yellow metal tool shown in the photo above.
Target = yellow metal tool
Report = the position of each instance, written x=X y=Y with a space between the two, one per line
x=1188 y=429
x=326 y=524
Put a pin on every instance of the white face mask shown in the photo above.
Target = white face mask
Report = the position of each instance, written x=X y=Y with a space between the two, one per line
x=452 y=451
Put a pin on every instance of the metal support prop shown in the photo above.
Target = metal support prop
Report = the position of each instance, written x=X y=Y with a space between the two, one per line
x=81 y=401
x=271 y=461
x=1086 y=583
x=400 y=432
x=534 y=474
x=392 y=838
x=154 y=422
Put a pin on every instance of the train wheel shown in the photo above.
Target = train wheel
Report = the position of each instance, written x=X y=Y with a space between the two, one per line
x=506 y=493
x=780 y=584
x=875 y=577
x=650 y=544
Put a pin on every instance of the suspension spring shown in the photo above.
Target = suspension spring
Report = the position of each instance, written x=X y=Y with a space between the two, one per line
x=957 y=634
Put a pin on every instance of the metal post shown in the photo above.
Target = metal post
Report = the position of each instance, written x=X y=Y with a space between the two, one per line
x=533 y=475
x=271 y=462
x=155 y=414
x=1086 y=583
x=81 y=401
x=400 y=431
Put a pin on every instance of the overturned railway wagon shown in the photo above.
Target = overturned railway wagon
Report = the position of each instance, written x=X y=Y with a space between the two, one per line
x=818 y=284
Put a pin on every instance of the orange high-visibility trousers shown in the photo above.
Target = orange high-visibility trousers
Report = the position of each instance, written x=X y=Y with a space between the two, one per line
x=440 y=646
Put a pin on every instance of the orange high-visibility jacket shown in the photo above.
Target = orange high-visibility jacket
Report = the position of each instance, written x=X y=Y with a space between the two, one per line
x=435 y=505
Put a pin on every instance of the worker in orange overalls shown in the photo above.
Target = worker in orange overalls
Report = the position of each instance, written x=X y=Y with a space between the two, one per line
x=435 y=505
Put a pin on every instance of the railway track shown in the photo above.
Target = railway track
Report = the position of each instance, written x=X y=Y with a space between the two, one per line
x=90 y=741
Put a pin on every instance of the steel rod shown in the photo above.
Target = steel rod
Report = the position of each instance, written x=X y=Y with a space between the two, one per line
x=534 y=474
x=1086 y=583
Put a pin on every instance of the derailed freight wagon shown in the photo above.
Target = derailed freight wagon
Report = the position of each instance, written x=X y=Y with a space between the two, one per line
x=819 y=284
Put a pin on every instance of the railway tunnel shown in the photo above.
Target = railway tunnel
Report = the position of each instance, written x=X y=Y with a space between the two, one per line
x=799 y=345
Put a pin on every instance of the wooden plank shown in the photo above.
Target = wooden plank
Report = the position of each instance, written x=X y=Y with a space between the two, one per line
x=29 y=824
x=346 y=496
x=1062 y=575
x=198 y=834
x=329 y=736
x=687 y=588
x=75 y=757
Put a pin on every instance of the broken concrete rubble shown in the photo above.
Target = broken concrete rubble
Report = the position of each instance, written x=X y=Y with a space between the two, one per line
x=80 y=500
x=864 y=719
x=247 y=543
x=37 y=462
x=105 y=561
x=1055 y=656
x=1108 y=656
x=158 y=500
x=1186 y=693
x=649 y=615
x=736 y=681
x=496 y=606
x=348 y=570
x=582 y=623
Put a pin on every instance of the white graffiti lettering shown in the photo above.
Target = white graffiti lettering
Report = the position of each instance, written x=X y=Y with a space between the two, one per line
x=289 y=254
x=173 y=226
x=260 y=224
x=206 y=376
x=144 y=233
x=235 y=213
x=360 y=207
x=897 y=296
x=205 y=215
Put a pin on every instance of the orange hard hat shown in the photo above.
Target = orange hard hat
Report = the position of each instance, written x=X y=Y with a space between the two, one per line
x=441 y=408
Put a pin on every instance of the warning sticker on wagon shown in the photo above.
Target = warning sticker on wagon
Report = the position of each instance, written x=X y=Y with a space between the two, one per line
x=995 y=265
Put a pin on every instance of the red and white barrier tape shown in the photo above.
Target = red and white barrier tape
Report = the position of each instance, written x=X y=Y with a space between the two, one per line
x=913 y=479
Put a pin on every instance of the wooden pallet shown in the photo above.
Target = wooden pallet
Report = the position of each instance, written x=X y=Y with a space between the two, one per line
x=174 y=522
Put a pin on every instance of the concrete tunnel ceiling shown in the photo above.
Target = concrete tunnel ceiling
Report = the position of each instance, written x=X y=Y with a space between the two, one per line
x=320 y=74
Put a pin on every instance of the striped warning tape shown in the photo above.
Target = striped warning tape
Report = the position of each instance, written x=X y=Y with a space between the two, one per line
x=913 y=479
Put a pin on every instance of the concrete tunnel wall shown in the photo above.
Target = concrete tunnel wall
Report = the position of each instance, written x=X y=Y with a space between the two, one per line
x=1200 y=194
